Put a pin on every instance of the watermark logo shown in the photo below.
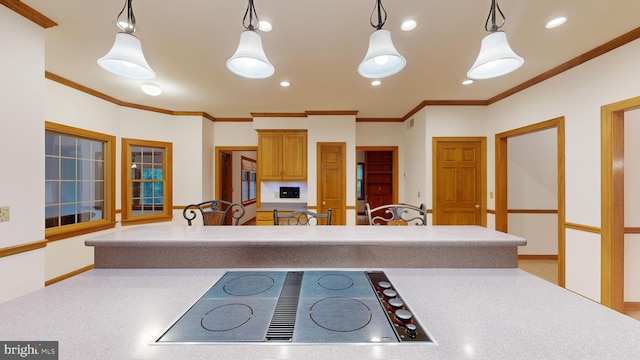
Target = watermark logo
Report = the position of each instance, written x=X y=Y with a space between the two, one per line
x=38 y=350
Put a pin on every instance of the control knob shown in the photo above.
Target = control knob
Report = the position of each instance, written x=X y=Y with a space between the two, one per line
x=395 y=304
x=403 y=317
x=389 y=294
x=411 y=331
x=384 y=285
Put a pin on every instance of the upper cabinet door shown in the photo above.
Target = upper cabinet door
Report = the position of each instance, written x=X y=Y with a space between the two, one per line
x=282 y=155
x=294 y=156
x=270 y=156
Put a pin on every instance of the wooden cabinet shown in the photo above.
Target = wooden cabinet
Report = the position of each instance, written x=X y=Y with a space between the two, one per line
x=282 y=155
x=379 y=177
x=265 y=217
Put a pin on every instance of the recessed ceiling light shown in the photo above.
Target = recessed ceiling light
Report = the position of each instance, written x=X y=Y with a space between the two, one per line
x=556 y=22
x=467 y=82
x=285 y=84
x=376 y=83
x=409 y=25
x=264 y=26
x=151 y=89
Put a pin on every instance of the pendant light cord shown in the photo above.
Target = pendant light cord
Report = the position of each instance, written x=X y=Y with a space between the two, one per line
x=131 y=19
x=381 y=12
x=492 y=16
x=251 y=12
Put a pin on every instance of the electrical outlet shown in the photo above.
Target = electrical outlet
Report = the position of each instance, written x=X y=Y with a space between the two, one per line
x=4 y=213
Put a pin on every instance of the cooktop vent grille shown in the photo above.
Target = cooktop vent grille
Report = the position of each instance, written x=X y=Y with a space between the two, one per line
x=284 y=316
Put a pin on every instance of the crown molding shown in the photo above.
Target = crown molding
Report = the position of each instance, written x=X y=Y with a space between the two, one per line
x=28 y=12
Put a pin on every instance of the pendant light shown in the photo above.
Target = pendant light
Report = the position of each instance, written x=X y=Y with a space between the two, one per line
x=382 y=58
x=496 y=57
x=125 y=57
x=249 y=59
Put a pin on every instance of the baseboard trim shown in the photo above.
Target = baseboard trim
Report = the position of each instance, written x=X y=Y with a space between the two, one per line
x=632 y=306
x=68 y=275
x=537 y=257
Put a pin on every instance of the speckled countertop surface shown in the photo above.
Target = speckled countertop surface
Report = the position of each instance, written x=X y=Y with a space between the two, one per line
x=471 y=313
x=306 y=235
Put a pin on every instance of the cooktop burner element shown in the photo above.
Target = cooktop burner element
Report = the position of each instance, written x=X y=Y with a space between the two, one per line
x=340 y=314
x=299 y=307
x=335 y=282
x=248 y=285
x=227 y=317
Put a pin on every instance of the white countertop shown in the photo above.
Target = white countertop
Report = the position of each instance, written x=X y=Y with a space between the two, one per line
x=471 y=313
x=184 y=236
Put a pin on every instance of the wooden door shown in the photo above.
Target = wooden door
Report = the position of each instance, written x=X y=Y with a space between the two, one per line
x=332 y=181
x=269 y=156
x=226 y=178
x=460 y=181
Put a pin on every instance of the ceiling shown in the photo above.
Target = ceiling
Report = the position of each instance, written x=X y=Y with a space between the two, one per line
x=317 y=46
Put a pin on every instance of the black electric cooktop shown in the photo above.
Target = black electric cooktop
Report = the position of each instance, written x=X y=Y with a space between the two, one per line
x=299 y=307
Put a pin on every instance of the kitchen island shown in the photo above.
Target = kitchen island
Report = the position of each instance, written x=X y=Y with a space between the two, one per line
x=471 y=313
x=306 y=246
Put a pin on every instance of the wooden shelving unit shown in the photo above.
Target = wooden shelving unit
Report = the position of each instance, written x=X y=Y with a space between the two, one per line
x=378 y=177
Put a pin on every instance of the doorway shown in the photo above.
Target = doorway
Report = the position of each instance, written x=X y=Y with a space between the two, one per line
x=376 y=178
x=613 y=202
x=228 y=178
x=502 y=171
x=460 y=181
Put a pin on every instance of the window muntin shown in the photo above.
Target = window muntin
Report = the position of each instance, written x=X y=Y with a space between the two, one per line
x=248 y=179
x=78 y=181
x=147 y=182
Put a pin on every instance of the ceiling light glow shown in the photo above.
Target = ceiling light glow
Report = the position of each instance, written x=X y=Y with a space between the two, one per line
x=556 y=22
x=409 y=25
x=265 y=26
x=467 y=82
x=376 y=83
x=285 y=84
x=151 y=89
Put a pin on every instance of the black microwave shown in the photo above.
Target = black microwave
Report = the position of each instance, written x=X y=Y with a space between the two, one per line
x=289 y=192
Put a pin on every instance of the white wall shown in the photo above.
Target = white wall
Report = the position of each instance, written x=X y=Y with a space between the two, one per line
x=430 y=122
x=208 y=160
x=577 y=95
x=192 y=157
x=333 y=128
x=632 y=205
x=22 y=149
x=533 y=185
x=386 y=134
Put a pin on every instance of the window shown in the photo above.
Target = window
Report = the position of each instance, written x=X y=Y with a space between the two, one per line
x=146 y=181
x=79 y=181
x=360 y=181
x=248 y=180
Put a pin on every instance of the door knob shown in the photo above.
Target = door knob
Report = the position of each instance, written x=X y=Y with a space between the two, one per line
x=477 y=206
x=324 y=203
